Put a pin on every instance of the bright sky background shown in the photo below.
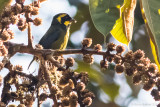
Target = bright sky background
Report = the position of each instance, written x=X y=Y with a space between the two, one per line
x=47 y=11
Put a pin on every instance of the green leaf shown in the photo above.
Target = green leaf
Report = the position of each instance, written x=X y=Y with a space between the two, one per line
x=111 y=89
x=104 y=14
x=151 y=16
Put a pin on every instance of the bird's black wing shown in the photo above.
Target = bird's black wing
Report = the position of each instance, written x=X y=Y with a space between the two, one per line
x=51 y=36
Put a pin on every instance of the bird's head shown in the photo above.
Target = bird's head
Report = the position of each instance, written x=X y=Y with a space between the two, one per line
x=63 y=19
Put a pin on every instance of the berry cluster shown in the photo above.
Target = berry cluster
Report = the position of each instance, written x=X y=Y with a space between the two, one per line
x=133 y=64
x=17 y=14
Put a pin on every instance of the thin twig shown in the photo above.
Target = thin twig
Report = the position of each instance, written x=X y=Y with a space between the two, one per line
x=29 y=32
x=38 y=104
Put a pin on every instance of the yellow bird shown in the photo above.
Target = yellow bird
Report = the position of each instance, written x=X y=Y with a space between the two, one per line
x=58 y=33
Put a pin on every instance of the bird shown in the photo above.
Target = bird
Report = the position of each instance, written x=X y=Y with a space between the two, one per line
x=57 y=35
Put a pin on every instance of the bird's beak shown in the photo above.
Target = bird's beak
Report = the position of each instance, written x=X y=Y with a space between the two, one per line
x=73 y=20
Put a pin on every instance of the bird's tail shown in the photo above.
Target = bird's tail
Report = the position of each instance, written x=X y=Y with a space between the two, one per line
x=31 y=61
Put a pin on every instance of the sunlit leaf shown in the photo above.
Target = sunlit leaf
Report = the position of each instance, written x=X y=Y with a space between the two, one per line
x=123 y=29
x=104 y=14
x=150 y=12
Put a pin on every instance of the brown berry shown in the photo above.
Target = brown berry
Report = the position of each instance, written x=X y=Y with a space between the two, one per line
x=111 y=46
x=88 y=58
x=137 y=79
x=139 y=54
x=120 y=49
x=80 y=86
x=117 y=59
x=87 y=101
x=69 y=62
x=87 y=42
x=37 y=21
x=98 y=47
x=104 y=64
x=119 y=68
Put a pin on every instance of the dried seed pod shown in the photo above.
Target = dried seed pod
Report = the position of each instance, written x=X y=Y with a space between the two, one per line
x=111 y=46
x=12 y=105
x=88 y=58
x=20 y=1
x=120 y=49
x=27 y=8
x=84 y=77
x=119 y=68
x=104 y=64
x=21 y=22
x=43 y=97
x=7 y=11
x=110 y=58
x=87 y=101
x=87 y=42
x=14 y=19
x=80 y=86
x=54 y=89
x=35 y=11
x=37 y=21
x=138 y=54
x=36 y=4
x=146 y=61
x=69 y=62
x=130 y=71
x=65 y=101
x=98 y=47
x=73 y=99
x=141 y=68
x=17 y=8
x=153 y=68
x=11 y=34
x=5 y=36
x=89 y=94
x=154 y=92
x=5 y=21
x=22 y=28
x=18 y=68
x=21 y=105
x=148 y=86
x=2 y=104
x=66 y=90
x=137 y=79
x=117 y=59
x=129 y=55
x=73 y=96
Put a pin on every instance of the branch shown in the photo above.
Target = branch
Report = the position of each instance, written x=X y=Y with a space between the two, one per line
x=48 y=53
x=29 y=36
x=47 y=78
x=29 y=31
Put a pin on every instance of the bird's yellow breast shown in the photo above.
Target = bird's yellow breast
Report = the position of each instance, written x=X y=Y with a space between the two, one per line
x=65 y=40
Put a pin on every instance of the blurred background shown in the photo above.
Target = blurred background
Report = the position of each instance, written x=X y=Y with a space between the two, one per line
x=111 y=89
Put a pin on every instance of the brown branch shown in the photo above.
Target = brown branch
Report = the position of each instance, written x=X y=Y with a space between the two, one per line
x=30 y=41
x=47 y=78
x=48 y=53
x=29 y=36
x=39 y=52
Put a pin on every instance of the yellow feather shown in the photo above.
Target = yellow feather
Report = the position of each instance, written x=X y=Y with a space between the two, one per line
x=67 y=23
x=65 y=42
x=60 y=17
